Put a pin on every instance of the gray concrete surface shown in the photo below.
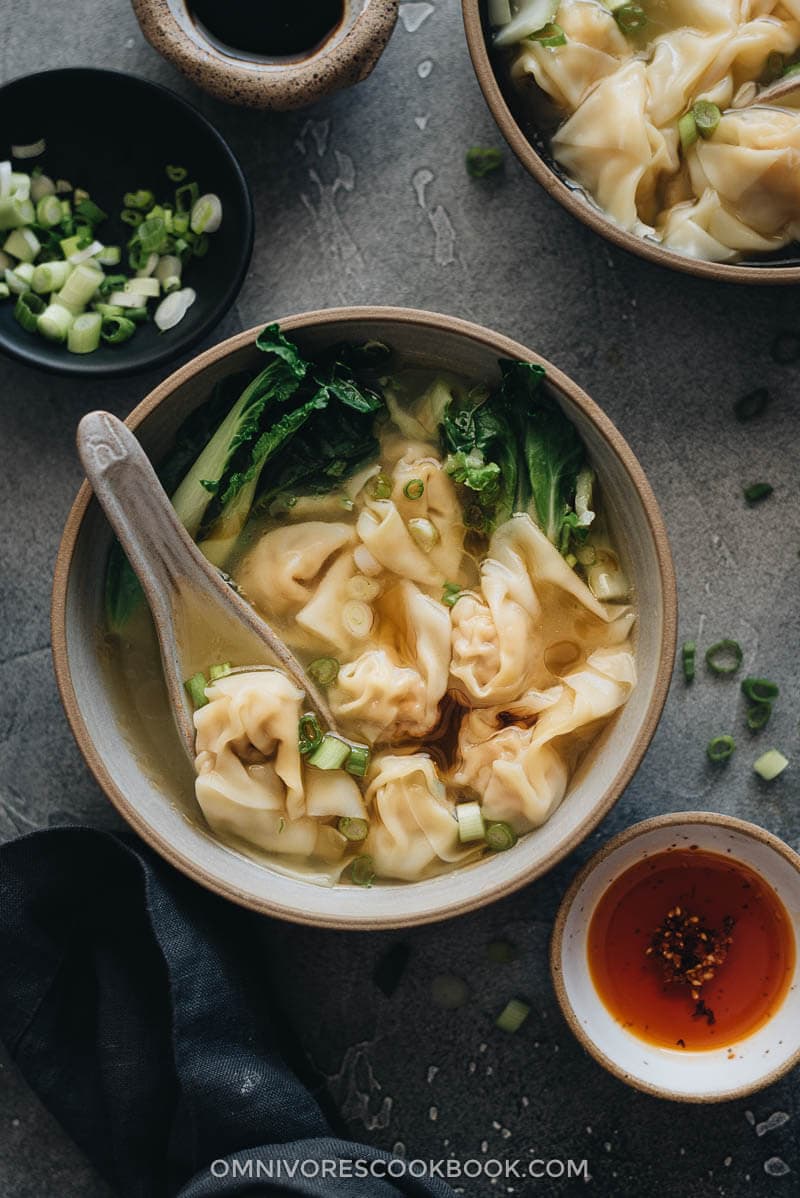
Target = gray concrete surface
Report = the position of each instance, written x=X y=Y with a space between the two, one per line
x=344 y=215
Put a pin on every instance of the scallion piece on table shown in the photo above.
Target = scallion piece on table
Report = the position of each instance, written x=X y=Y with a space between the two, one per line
x=758 y=716
x=758 y=492
x=752 y=404
x=414 y=489
x=84 y=333
x=309 y=733
x=55 y=322
x=512 y=1016
x=688 y=652
x=470 y=822
x=357 y=762
x=323 y=670
x=362 y=870
x=116 y=329
x=331 y=752
x=449 y=991
x=786 y=347
x=720 y=749
x=28 y=309
x=483 y=160
x=353 y=829
x=630 y=17
x=760 y=690
x=220 y=671
x=724 y=657
x=500 y=836
x=196 y=688
x=501 y=952
x=707 y=117
x=770 y=764
x=176 y=174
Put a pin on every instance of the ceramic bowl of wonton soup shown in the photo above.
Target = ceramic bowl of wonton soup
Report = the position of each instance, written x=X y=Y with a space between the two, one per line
x=495 y=707
x=638 y=120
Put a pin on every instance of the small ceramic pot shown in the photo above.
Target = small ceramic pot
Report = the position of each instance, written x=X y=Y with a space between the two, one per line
x=346 y=57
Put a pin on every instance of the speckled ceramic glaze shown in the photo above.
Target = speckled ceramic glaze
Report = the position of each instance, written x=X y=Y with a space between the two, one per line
x=712 y=1075
x=345 y=58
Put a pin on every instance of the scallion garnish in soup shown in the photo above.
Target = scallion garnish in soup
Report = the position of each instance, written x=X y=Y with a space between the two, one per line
x=648 y=107
x=436 y=553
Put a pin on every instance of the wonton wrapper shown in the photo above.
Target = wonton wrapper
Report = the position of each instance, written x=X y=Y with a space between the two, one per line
x=413 y=824
x=393 y=691
x=519 y=772
x=500 y=637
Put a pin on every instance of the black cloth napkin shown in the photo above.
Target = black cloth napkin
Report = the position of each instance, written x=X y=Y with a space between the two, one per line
x=138 y=1006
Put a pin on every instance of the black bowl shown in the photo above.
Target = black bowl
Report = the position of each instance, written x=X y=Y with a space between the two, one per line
x=109 y=133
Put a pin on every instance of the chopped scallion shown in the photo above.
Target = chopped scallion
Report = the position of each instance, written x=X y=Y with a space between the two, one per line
x=84 y=333
x=362 y=871
x=196 y=687
x=483 y=160
x=720 y=748
x=116 y=329
x=131 y=217
x=379 y=486
x=176 y=174
x=414 y=489
x=501 y=952
x=449 y=991
x=752 y=404
x=28 y=309
x=141 y=200
x=760 y=690
x=770 y=765
x=630 y=17
x=54 y=323
x=331 y=752
x=513 y=1015
x=358 y=761
x=758 y=716
x=500 y=836
x=452 y=590
x=724 y=657
x=470 y=822
x=309 y=733
x=757 y=492
x=323 y=670
x=688 y=657
x=550 y=36
x=707 y=117
x=220 y=671
x=353 y=829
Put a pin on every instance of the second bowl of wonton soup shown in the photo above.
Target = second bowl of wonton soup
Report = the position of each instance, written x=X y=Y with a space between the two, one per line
x=456 y=544
x=644 y=121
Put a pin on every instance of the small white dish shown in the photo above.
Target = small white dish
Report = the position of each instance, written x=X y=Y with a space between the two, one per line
x=708 y=1075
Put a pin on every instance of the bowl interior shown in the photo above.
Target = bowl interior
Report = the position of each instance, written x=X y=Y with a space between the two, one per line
x=159 y=801
x=109 y=133
x=529 y=137
x=710 y=1075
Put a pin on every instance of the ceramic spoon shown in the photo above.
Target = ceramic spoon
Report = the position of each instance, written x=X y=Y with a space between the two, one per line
x=176 y=579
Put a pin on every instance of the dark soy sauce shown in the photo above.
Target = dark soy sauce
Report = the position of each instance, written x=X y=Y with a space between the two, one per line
x=270 y=28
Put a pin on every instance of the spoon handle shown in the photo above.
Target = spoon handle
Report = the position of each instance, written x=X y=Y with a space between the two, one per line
x=167 y=562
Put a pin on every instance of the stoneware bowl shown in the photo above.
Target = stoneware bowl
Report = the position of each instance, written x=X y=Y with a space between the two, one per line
x=345 y=57
x=157 y=798
x=714 y=1075
x=518 y=127
x=109 y=154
